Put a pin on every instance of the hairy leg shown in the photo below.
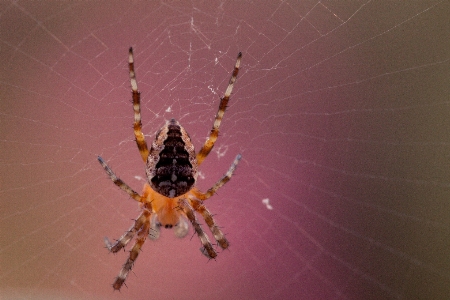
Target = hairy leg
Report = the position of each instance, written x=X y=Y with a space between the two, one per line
x=209 y=144
x=117 y=181
x=207 y=248
x=140 y=138
x=134 y=252
x=203 y=196
x=197 y=205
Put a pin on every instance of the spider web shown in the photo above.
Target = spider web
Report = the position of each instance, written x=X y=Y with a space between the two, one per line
x=340 y=112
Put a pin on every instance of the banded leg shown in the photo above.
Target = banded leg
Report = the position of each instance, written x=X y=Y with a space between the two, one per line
x=134 y=252
x=220 y=183
x=218 y=234
x=209 y=144
x=207 y=249
x=117 y=181
x=140 y=138
x=127 y=236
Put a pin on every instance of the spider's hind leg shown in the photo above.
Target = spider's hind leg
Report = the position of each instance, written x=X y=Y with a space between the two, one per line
x=127 y=236
x=195 y=202
x=142 y=234
x=207 y=248
x=197 y=205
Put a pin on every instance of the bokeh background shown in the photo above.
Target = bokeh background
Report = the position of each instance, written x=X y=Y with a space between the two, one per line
x=341 y=113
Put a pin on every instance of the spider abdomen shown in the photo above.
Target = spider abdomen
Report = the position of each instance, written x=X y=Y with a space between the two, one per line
x=172 y=164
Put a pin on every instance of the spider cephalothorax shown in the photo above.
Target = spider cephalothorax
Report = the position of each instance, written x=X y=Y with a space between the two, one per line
x=170 y=198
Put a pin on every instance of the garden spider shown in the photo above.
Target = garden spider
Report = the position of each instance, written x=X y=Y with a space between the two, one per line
x=170 y=197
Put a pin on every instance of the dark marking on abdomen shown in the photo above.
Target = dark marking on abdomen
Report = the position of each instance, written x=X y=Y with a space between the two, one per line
x=173 y=172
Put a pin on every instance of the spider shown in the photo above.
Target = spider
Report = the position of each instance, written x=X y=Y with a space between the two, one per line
x=169 y=196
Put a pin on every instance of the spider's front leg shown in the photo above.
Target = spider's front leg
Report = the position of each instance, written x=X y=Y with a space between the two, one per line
x=209 y=144
x=140 y=138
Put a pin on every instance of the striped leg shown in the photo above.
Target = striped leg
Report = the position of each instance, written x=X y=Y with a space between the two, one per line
x=134 y=252
x=218 y=234
x=206 y=248
x=117 y=181
x=140 y=138
x=219 y=184
x=127 y=236
x=209 y=144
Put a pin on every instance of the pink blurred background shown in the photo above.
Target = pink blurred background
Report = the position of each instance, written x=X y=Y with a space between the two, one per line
x=341 y=114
